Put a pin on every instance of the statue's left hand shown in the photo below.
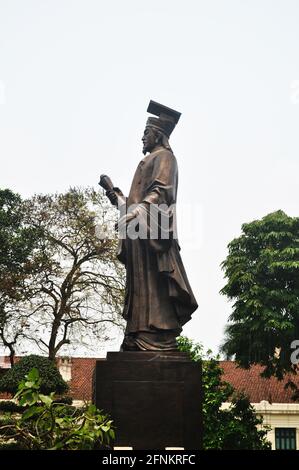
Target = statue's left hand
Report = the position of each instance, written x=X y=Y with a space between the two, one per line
x=125 y=219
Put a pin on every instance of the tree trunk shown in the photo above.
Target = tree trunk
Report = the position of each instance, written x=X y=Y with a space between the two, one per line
x=12 y=355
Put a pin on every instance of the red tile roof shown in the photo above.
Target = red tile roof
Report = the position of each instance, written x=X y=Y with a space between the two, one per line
x=248 y=381
x=256 y=387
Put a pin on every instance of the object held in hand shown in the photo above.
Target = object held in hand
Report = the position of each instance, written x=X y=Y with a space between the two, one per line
x=114 y=194
x=106 y=183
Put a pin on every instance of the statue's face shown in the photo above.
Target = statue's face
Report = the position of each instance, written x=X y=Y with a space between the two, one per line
x=149 y=140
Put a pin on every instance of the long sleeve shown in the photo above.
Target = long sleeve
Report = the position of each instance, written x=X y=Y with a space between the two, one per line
x=163 y=185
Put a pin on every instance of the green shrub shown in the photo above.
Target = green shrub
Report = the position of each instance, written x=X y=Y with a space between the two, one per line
x=51 y=380
x=235 y=428
x=65 y=400
x=46 y=425
x=6 y=418
x=11 y=406
x=12 y=445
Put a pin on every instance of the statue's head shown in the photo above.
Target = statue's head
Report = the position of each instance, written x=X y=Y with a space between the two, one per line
x=158 y=129
x=153 y=138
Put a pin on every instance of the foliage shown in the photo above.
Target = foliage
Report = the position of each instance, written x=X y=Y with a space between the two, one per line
x=244 y=429
x=17 y=243
x=7 y=421
x=65 y=400
x=50 y=377
x=16 y=239
x=234 y=428
x=10 y=406
x=48 y=425
x=6 y=416
x=195 y=350
x=9 y=446
x=262 y=271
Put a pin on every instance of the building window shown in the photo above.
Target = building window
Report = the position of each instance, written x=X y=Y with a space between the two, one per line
x=285 y=438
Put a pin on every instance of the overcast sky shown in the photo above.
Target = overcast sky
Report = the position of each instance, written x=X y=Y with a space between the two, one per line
x=76 y=77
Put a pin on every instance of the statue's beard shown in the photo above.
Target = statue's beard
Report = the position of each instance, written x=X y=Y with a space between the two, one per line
x=146 y=148
x=150 y=146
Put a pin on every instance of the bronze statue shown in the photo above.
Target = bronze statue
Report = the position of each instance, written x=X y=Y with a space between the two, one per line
x=159 y=299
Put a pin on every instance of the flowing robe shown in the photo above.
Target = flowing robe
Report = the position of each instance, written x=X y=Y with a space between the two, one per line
x=159 y=299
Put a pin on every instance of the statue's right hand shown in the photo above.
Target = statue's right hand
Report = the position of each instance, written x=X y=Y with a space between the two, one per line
x=112 y=196
x=118 y=191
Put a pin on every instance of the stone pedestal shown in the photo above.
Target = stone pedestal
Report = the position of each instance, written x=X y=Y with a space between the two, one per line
x=154 y=399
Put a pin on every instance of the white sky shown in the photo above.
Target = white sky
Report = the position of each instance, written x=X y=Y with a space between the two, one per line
x=75 y=81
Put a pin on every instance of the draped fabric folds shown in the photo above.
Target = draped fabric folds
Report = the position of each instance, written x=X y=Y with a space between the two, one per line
x=159 y=299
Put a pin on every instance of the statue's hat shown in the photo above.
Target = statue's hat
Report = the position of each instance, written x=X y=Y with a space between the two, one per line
x=166 y=120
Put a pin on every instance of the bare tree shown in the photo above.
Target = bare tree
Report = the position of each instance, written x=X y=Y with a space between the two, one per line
x=79 y=290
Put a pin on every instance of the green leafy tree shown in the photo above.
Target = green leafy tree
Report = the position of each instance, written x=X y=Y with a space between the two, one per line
x=233 y=428
x=16 y=240
x=47 y=425
x=262 y=271
x=17 y=243
x=50 y=379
